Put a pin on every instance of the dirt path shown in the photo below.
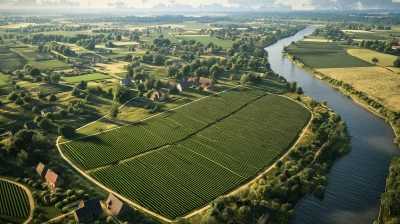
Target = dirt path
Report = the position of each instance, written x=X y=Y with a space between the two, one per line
x=59 y=217
x=30 y=198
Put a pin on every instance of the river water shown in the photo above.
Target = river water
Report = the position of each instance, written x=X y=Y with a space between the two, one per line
x=356 y=180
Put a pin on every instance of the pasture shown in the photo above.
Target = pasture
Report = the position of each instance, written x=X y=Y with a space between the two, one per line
x=50 y=64
x=87 y=77
x=385 y=60
x=377 y=82
x=192 y=154
x=324 y=55
x=14 y=202
x=10 y=60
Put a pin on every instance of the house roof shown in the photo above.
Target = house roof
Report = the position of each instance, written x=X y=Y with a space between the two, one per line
x=31 y=125
x=127 y=81
x=15 y=130
x=41 y=168
x=206 y=81
x=395 y=47
x=193 y=80
x=51 y=176
x=81 y=213
x=92 y=205
x=185 y=84
x=114 y=204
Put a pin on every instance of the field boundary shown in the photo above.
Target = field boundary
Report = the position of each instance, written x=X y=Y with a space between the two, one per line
x=30 y=198
x=206 y=206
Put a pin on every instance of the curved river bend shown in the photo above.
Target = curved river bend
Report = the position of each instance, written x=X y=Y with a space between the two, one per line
x=357 y=180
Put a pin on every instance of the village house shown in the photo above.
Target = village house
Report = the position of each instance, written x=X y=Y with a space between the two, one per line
x=116 y=205
x=395 y=47
x=193 y=81
x=53 y=179
x=179 y=85
x=30 y=125
x=77 y=70
x=41 y=169
x=126 y=82
x=78 y=64
x=88 y=210
x=206 y=82
x=158 y=96
x=51 y=110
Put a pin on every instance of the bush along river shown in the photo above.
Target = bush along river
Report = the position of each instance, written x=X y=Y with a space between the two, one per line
x=356 y=180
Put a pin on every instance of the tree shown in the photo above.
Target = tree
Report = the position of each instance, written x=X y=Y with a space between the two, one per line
x=67 y=131
x=75 y=92
x=121 y=93
x=22 y=156
x=174 y=90
x=243 y=80
x=34 y=72
x=186 y=70
x=158 y=85
x=110 y=219
x=52 y=98
x=55 y=77
x=45 y=124
x=375 y=60
x=158 y=59
x=82 y=84
x=114 y=111
x=396 y=63
x=171 y=71
x=118 y=37
x=12 y=96
x=19 y=101
x=35 y=110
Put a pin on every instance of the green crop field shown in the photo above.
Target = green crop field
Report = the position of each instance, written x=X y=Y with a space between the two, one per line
x=49 y=88
x=50 y=64
x=88 y=77
x=194 y=153
x=324 y=55
x=13 y=201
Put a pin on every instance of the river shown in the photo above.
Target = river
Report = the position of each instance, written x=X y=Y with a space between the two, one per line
x=356 y=180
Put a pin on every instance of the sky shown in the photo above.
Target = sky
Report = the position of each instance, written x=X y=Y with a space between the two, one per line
x=190 y=4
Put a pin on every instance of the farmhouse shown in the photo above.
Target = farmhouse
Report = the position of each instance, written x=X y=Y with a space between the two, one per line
x=180 y=86
x=30 y=125
x=158 y=96
x=193 y=81
x=126 y=82
x=116 y=205
x=395 y=47
x=41 y=169
x=51 y=110
x=88 y=210
x=54 y=179
x=206 y=82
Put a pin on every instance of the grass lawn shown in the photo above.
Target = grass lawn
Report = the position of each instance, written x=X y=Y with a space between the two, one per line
x=10 y=60
x=88 y=77
x=50 y=64
x=379 y=83
x=385 y=60
x=324 y=55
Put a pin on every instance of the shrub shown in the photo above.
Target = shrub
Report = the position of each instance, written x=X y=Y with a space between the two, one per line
x=64 y=210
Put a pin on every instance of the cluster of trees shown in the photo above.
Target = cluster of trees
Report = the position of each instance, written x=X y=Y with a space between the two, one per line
x=379 y=45
x=390 y=200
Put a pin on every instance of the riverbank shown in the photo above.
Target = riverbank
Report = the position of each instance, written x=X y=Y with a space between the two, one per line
x=348 y=92
x=355 y=96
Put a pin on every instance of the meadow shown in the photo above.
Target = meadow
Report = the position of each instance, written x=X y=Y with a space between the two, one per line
x=206 y=39
x=88 y=77
x=50 y=64
x=3 y=79
x=324 y=55
x=13 y=202
x=10 y=60
x=385 y=60
x=379 y=83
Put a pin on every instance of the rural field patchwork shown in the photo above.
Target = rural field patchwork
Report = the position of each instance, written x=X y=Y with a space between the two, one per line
x=189 y=156
x=13 y=200
x=88 y=77
x=385 y=60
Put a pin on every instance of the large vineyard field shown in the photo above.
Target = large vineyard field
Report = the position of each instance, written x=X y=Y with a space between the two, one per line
x=13 y=200
x=197 y=152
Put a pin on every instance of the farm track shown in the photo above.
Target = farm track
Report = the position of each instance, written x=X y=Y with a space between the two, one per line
x=30 y=198
x=206 y=206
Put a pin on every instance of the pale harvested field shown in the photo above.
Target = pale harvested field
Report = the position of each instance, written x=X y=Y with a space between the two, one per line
x=114 y=68
x=377 y=82
x=317 y=40
x=356 y=31
x=385 y=60
x=394 y=69
x=18 y=25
